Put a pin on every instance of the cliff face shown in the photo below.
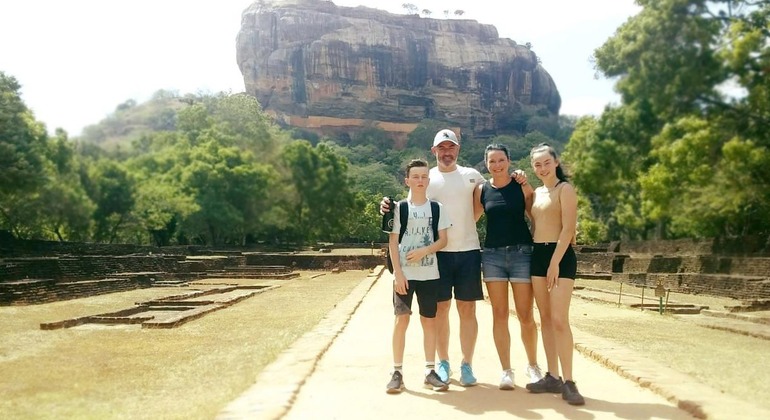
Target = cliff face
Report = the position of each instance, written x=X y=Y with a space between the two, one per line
x=313 y=64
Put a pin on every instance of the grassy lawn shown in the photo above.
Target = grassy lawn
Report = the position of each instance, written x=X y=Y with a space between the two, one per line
x=723 y=360
x=189 y=372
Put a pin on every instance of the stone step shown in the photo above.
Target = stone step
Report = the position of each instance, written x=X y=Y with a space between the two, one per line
x=280 y=276
x=594 y=276
x=734 y=286
x=706 y=264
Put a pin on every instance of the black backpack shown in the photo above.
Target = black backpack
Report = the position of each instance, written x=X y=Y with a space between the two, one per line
x=403 y=218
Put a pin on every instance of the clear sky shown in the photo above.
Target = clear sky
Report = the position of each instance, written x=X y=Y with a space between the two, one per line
x=78 y=59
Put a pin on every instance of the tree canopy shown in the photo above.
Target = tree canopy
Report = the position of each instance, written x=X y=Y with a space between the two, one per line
x=686 y=152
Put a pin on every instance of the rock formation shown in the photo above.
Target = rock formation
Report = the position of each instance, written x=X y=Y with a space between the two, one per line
x=326 y=68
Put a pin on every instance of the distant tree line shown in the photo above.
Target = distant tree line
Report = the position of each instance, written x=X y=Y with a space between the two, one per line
x=211 y=169
x=412 y=8
x=223 y=175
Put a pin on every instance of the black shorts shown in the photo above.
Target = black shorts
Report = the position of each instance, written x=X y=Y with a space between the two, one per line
x=427 y=298
x=460 y=271
x=541 y=259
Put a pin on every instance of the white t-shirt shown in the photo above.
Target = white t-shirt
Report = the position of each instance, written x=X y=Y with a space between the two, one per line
x=455 y=191
x=419 y=233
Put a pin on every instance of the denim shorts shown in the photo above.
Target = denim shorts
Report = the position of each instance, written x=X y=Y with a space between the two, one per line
x=507 y=263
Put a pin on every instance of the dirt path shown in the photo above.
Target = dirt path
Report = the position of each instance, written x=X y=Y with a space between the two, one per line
x=348 y=377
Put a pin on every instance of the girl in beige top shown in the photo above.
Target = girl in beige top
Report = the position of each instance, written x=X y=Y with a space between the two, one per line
x=554 y=265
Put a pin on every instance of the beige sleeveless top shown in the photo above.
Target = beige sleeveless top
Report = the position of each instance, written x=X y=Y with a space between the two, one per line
x=546 y=211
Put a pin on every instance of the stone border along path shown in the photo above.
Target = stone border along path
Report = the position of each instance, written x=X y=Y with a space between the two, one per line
x=278 y=385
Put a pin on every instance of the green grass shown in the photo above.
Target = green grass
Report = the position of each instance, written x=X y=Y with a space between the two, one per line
x=189 y=372
x=725 y=361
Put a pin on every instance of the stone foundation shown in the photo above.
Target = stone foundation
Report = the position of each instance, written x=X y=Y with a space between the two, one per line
x=738 y=269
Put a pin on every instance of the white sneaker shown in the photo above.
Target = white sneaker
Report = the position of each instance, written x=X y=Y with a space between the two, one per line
x=506 y=383
x=534 y=373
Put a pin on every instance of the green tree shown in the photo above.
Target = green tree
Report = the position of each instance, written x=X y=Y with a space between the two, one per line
x=323 y=198
x=421 y=138
x=230 y=191
x=22 y=141
x=674 y=62
x=111 y=188
x=63 y=208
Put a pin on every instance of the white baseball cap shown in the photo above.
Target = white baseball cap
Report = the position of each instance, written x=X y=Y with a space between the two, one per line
x=445 y=135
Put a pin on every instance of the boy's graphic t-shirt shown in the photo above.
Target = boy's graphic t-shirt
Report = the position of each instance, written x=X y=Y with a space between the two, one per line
x=418 y=234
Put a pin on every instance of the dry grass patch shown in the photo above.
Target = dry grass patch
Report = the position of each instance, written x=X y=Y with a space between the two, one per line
x=723 y=360
x=188 y=372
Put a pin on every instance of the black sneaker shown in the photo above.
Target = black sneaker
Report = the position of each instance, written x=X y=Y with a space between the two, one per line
x=396 y=384
x=547 y=384
x=433 y=381
x=569 y=392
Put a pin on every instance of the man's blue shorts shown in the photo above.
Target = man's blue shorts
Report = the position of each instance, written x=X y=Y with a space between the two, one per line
x=460 y=272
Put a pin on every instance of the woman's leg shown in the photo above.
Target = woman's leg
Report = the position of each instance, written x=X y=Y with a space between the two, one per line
x=498 y=297
x=560 y=300
x=543 y=300
x=523 y=299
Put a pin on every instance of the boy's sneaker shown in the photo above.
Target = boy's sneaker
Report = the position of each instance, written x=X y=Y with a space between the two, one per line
x=396 y=384
x=534 y=373
x=506 y=383
x=433 y=381
x=569 y=392
x=466 y=375
x=547 y=384
x=444 y=371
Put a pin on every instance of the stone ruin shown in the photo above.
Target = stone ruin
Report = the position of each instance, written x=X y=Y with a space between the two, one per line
x=34 y=272
x=168 y=312
x=737 y=269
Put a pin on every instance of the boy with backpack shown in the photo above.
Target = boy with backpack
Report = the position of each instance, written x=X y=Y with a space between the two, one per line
x=413 y=243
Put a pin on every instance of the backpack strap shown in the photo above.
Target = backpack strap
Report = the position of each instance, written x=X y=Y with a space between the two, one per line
x=403 y=217
x=435 y=212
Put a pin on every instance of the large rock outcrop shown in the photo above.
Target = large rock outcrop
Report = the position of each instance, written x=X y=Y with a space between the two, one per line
x=315 y=65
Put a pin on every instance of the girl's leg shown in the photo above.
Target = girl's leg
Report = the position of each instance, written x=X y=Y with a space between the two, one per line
x=498 y=297
x=523 y=299
x=543 y=300
x=560 y=300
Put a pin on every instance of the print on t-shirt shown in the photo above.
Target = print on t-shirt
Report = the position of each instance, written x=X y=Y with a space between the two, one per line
x=421 y=236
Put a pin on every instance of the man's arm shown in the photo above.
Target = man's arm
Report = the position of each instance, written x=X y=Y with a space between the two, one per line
x=478 y=208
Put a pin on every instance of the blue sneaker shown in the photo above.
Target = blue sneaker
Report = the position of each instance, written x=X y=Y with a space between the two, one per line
x=466 y=375
x=444 y=371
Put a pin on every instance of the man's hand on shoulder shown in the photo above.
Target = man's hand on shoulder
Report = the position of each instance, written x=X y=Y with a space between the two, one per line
x=519 y=176
x=384 y=207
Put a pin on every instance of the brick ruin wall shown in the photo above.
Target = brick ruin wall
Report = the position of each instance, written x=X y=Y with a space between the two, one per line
x=738 y=269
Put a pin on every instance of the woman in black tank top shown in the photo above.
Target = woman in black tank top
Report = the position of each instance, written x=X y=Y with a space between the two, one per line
x=506 y=259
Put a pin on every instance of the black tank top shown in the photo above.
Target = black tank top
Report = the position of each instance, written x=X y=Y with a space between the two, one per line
x=504 y=208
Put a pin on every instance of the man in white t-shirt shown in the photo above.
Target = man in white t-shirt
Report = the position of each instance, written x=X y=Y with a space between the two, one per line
x=460 y=261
